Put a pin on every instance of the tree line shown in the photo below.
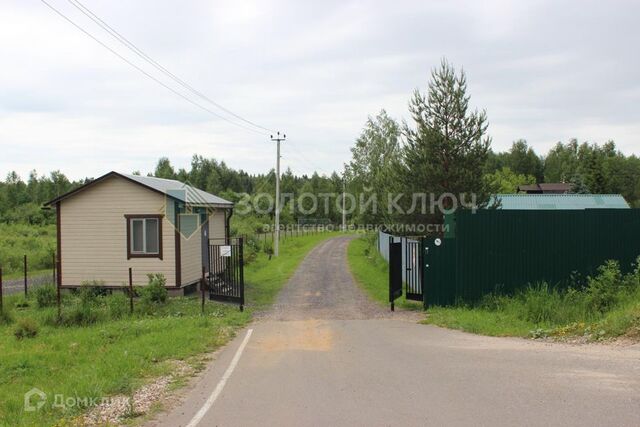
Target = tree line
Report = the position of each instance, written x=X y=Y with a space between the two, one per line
x=22 y=201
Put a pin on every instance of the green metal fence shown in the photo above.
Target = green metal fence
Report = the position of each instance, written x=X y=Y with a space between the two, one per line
x=504 y=250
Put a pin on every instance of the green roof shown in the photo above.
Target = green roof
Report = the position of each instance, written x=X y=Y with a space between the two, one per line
x=560 y=201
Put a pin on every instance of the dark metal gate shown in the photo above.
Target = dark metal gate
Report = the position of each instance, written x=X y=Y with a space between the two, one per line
x=226 y=271
x=413 y=272
x=395 y=272
x=405 y=267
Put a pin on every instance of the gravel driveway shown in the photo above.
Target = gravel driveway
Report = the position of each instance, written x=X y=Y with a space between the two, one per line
x=323 y=288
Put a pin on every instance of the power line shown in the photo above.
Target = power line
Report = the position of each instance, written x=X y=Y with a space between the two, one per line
x=131 y=46
x=146 y=73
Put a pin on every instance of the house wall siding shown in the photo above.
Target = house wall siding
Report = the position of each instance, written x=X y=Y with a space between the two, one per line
x=191 y=258
x=217 y=225
x=94 y=235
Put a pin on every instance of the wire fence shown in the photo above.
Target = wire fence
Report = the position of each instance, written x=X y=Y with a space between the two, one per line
x=290 y=231
x=27 y=279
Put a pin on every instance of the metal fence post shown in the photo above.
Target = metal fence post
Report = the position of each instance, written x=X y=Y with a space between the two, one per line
x=53 y=257
x=1 y=309
x=393 y=308
x=202 y=286
x=25 y=275
x=58 y=284
x=241 y=262
x=130 y=290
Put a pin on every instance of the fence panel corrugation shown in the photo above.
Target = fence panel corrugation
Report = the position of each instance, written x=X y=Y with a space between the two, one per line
x=503 y=251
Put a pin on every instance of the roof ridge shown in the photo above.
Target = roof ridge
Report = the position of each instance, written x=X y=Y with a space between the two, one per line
x=556 y=195
x=152 y=177
x=160 y=185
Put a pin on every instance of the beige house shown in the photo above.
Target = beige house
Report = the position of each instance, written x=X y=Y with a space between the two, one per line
x=152 y=225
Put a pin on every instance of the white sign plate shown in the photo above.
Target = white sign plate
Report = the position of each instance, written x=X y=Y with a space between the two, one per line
x=225 y=250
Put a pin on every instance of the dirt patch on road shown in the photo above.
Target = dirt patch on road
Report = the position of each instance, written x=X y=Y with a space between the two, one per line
x=305 y=335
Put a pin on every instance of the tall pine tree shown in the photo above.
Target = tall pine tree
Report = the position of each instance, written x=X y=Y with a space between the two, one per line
x=447 y=149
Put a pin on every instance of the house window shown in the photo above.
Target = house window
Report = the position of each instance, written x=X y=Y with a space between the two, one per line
x=144 y=236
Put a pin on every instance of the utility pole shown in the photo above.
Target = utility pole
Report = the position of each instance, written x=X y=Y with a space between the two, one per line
x=344 y=213
x=276 y=242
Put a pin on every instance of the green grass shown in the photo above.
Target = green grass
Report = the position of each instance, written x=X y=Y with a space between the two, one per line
x=35 y=241
x=265 y=277
x=115 y=352
x=106 y=358
x=622 y=321
x=371 y=271
x=609 y=306
x=479 y=321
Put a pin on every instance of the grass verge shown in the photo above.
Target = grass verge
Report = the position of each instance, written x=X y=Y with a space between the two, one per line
x=108 y=357
x=607 y=307
x=371 y=271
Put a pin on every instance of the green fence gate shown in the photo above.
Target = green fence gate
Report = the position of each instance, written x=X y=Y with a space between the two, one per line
x=504 y=250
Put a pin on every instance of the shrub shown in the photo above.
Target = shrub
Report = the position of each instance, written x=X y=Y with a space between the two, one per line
x=603 y=289
x=491 y=302
x=79 y=315
x=46 y=296
x=117 y=305
x=540 y=303
x=26 y=328
x=6 y=318
x=372 y=242
x=155 y=291
x=268 y=247
x=251 y=249
x=90 y=290
x=632 y=280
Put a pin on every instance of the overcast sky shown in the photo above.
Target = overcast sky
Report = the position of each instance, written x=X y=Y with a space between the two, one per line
x=544 y=71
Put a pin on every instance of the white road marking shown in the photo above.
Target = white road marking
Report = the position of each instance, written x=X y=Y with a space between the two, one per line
x=209 y=403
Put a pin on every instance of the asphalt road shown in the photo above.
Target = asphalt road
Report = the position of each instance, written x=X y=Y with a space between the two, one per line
x=327 y=356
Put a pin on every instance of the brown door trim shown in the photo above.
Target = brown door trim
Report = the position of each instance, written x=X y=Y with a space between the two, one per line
x=59 y=243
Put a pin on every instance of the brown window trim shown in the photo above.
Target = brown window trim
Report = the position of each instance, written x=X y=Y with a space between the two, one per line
x=128 y=219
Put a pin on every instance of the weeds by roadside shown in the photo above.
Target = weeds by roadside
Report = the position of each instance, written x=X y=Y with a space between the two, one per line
x=608 y=306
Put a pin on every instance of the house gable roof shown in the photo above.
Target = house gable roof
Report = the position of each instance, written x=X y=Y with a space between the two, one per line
x=560 y=201
x=168 y=187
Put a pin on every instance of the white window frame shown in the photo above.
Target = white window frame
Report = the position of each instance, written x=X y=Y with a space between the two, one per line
x=143 y=221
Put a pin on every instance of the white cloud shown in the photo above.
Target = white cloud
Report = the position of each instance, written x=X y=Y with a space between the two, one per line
x=544 y=71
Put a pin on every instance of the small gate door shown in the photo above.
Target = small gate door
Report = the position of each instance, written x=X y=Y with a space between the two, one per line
x=413 y=270
x=205 y=245
x=226 y=273
x=395 y=271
